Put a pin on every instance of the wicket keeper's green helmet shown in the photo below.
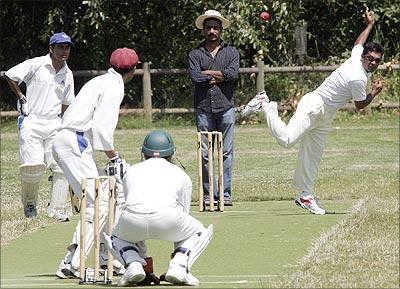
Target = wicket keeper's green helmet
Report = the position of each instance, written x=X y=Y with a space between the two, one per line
x=159 y=144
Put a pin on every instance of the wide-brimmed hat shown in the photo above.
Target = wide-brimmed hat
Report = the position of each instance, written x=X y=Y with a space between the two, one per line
x=212 y=14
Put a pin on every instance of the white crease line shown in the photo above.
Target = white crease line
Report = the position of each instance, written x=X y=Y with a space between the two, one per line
x=364 y=128
x=237 y=276
x=74 y=285
x=229 y=211
x=32 y=279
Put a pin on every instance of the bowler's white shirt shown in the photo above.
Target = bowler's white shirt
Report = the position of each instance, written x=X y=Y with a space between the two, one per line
x=156 y=184
x=46 y=89
x=348 y=82
x=96 y=109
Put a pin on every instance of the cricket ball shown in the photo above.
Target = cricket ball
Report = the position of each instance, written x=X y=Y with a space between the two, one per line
x=264 y=16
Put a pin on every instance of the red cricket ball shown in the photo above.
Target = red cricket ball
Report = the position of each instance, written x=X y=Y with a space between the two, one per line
x=264 y=16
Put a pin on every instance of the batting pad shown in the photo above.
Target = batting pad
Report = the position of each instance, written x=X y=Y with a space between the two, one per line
x=30 y=179
x=89 y=240
x=59 y=193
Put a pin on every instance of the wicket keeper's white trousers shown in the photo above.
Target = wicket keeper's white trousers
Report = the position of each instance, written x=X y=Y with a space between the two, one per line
x=310 y=125
x=170 y=224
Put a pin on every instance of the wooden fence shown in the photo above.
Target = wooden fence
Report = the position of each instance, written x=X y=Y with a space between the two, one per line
x=260 y=70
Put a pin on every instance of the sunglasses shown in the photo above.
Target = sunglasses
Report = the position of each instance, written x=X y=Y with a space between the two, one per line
x=371 y=59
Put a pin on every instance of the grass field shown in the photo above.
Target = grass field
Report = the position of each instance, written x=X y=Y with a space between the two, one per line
x=263 y=241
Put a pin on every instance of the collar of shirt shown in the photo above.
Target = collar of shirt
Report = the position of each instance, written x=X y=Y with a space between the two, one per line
x=48 y=62
x=113 y=72
x=202 y=46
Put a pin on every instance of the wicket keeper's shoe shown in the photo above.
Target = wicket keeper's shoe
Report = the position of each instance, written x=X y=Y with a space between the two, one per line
x=30 y=210
x=178 y=274
x=307 y=201
x=255 y=104
x=133 y=275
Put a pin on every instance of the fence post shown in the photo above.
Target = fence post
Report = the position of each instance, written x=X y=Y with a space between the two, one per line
x=147 y=93
x=260 y=86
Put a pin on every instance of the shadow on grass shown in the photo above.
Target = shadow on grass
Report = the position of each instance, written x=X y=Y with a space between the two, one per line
x=43 y=275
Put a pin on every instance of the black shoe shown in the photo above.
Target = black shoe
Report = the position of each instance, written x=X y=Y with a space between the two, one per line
x=207 y=200
x=30 y=210
x=228 y=201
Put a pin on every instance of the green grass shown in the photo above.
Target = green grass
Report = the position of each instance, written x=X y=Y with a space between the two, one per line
x=360 y=252
x=239 y=255
x=360 y=165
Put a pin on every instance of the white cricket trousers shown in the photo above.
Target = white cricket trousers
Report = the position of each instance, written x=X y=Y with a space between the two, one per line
x=36 y=136
x=170 y=224
x=310 y=125
x=74 y=154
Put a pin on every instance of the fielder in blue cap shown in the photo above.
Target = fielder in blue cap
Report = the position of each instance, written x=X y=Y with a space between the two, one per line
x=49 y=91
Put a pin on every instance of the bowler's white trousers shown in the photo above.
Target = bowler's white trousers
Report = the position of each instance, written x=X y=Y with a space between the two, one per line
x=310 y=125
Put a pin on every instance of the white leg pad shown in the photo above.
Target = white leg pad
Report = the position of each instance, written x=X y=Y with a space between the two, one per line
x=126 y=252
x=195 y=245
x=30 y=179
x=89 y=241
x=58 y=201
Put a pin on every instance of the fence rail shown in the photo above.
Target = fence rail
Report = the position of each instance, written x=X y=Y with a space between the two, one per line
x=260 y=70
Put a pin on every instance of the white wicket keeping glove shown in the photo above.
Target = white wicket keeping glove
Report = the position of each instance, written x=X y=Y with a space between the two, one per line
x=116 y=168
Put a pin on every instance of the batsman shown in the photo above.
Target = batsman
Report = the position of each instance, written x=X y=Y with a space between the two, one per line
x=88 y=126
x=157 y=203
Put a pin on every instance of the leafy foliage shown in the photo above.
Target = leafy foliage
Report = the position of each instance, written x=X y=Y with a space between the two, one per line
x=163 y=33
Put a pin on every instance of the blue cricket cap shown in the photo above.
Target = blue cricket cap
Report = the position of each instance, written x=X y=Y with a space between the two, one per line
x=59 y=38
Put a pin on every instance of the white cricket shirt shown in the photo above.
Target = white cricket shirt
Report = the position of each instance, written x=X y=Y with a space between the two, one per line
x=156 y=184
x=348 y=82
x=96 y=109
x=46 y=89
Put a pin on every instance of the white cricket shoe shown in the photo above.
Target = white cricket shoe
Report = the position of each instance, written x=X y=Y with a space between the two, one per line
x=255 y=104
x=66 y=271
x=30 y=210
x=307 y=201
x=178 y=274
x=133 y=275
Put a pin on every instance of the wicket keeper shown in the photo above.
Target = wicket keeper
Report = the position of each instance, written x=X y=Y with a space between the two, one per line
x=158 y=196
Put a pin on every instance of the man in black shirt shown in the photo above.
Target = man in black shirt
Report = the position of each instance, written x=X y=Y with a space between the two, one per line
x=213 y=67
